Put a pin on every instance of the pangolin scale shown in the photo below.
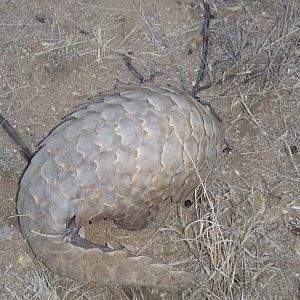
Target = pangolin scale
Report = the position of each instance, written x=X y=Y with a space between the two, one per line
x=117 y=157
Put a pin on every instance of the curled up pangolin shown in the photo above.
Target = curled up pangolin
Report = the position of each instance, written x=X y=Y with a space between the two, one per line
x=118 y=157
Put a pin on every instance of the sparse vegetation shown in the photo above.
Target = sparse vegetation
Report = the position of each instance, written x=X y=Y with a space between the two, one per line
x=240 y=234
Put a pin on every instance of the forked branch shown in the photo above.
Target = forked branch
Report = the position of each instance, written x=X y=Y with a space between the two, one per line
x=201 y=71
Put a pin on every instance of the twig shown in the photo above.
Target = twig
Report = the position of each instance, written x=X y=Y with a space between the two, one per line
x=201 y=72
x=46 y=235
x=252 y=75
x=132 y=69
x=289 y=152
x=16 y=138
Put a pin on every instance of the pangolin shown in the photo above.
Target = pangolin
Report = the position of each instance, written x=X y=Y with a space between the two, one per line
x=117 y=157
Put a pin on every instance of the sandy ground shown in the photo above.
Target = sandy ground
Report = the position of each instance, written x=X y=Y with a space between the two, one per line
x=54 y=55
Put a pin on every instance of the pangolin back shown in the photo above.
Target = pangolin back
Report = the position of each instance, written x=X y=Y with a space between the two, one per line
x=117 y=157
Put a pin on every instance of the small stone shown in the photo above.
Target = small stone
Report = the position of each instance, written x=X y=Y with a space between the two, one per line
x=5 y=232
x=82 y=232
x=297 y=246
x=23 y=260
x=293 y=149
x=129 y=248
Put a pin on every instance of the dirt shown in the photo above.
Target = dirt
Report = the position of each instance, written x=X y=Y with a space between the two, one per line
x=54 y=55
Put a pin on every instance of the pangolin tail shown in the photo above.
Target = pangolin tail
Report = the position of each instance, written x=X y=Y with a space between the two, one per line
x=73 y=256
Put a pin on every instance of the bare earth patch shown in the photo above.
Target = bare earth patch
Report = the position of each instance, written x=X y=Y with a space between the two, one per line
x=242 y=235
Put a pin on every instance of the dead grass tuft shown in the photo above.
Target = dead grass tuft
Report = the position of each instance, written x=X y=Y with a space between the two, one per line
x=242 y=240
x=36 y=282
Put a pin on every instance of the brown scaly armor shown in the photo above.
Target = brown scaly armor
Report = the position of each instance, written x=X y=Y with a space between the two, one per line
x=118 y=157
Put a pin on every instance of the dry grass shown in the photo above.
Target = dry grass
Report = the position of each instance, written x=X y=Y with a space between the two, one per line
x=39 y=283
x=237 y=234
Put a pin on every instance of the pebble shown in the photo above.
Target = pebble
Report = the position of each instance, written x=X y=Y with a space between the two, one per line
x=5 y=232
